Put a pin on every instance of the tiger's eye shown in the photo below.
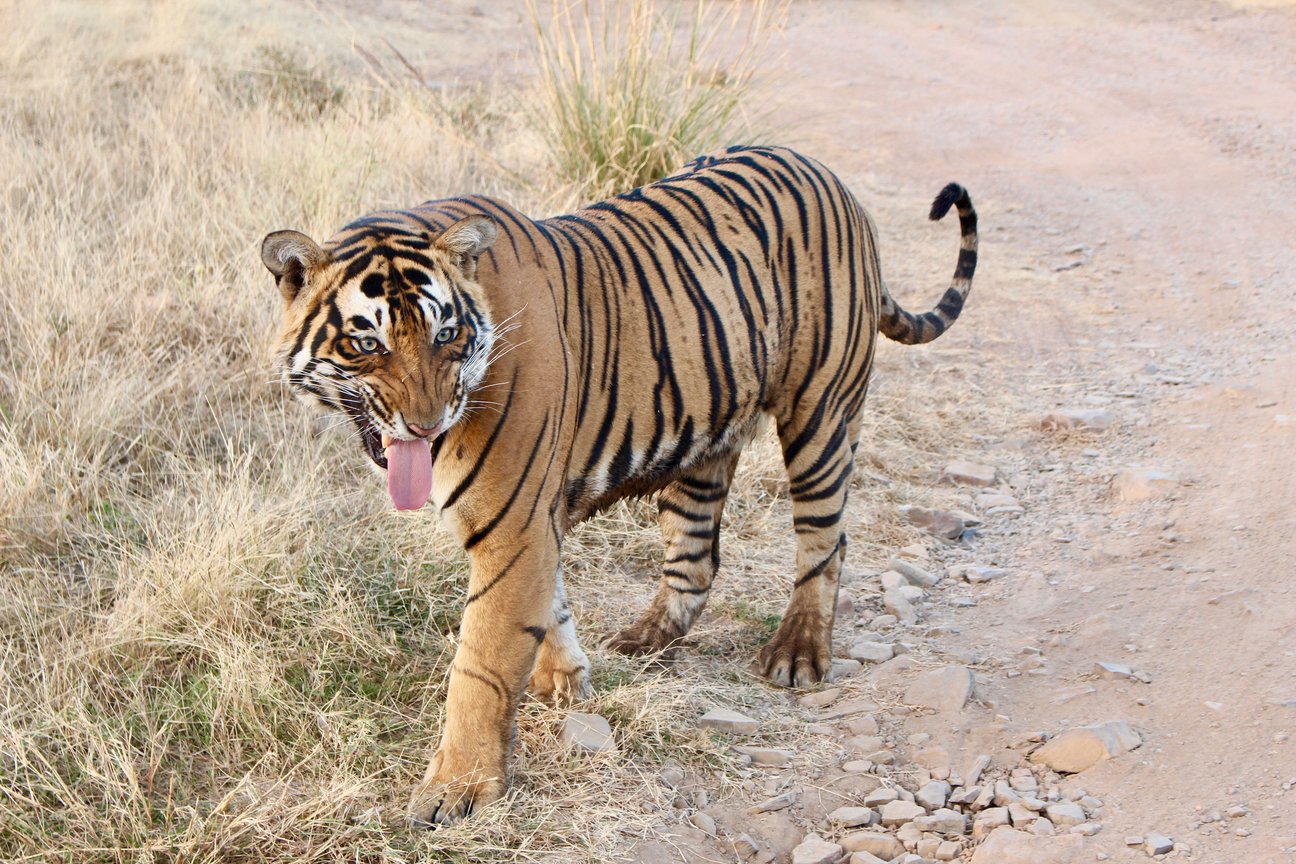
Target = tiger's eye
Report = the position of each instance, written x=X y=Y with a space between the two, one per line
x=366 y=344
x=446 y=334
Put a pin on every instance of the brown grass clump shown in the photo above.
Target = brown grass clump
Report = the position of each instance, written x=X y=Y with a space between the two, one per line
x=218 y=643
x=621 y=102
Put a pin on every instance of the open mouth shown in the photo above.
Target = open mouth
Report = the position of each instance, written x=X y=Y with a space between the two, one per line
x=373 y=442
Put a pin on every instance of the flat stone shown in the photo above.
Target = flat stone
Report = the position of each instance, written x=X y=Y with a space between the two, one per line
x=990 y=500
x=588 y=732
x=933 y=794
x=771 y=757
x=822 y=699
x=1020 y=815
x=1042 y=827
x=815 y=850
x=746 y=846
x=1140 y=484
x=899 y=605
x=949 y=524
x=1088 y=419
x=865 y=743
x=820 y=729
x=900 y=812
x=865 y=725
x=978 y=768
x=879 y=797
x=1010 y=846
x=948 y=850
x=1063 y=814
x=969 y=473
x=769 y=805
x=1157 y=844
x=945 y=689
x=1113 y=671
x=975 y=574
x=842 y=668
x=672 y=776
x=943 y=821
x=865 y=858
x=871 y=652
x=927 y=847
x=988 y=820
x=703 y=822
x=725 y=720
x=884 y=846
x=857 y=766
x=1077 y=749
x=913 y=573
x=852 y=817
x=849 y=708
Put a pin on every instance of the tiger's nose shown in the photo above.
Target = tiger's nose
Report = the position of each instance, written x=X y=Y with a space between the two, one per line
x=423 y=431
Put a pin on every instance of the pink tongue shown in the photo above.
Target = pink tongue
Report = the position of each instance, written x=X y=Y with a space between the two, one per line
x=409 y=473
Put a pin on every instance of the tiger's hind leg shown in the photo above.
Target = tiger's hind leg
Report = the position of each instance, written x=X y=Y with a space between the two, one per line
x=561 y=672
x=688 y=511
x=819 y=468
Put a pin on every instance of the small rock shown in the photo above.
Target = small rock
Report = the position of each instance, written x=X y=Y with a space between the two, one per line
x=978 y=768
x=588 y=732
x=1077 y=749
x=820 y=729
x=865 y=743
x=672 y=776
x=852 y=817
x=1113 y=671
x=866 y=725
x=1010 y=846
x=1042 y=827
x=1065 y=814
x=772 y=757
x=845 y=606
x=990 y=500
x=988 y=820
x=933 y=794
x=1091 y=419
x=865 y=858
x=746 y=846
x=778 y=802
x=703 y=822
x=1140 y=484
x=1157 y=844
x=1086 y=829
x=975 y=573
x=941 y=523
x=899 y=812
x=1134 y=840
x=1020 y=815
x=844 y=668
x=815 y=850
x=849 y=708
x=943 y=821
x=724 y=720
x=822 y=699
x=948 y=850
x=945 y=689
x=913 y=573
x=857 y=766
x=969 y=473
x=884 y=846
x=881 y=796
x=898 y=605
x=886 y=622
x=871 y=652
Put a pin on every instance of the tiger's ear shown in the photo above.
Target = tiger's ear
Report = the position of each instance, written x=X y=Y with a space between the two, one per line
x=468 y=238
x=288 y=255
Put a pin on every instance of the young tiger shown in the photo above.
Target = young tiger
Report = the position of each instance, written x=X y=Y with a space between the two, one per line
x=625 y=349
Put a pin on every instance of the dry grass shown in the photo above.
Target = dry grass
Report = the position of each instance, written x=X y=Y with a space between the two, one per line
x=622 y=102
x=218 y=643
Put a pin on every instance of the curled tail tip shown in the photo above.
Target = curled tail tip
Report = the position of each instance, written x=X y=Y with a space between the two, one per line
x=952 y=194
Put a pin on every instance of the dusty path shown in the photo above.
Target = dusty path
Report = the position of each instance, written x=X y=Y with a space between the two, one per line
x=1159 y=138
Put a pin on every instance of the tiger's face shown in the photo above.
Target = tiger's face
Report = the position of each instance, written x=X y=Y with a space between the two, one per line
x=387 y=325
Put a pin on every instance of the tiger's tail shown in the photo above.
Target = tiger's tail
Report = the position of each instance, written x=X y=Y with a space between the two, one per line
x=911 y=329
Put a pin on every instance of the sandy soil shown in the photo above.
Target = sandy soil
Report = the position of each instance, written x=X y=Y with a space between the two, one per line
x=1159 y=138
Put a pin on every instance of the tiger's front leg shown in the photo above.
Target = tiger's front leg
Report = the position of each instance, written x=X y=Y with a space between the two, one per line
x=510 y=598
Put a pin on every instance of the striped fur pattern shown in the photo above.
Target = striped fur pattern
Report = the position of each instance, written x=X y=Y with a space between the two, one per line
x=626 y=349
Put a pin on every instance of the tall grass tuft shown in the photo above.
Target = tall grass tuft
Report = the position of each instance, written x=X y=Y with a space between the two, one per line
x=628 y=93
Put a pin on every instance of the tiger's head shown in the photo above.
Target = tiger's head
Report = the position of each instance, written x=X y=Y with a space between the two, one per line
x=387 y=324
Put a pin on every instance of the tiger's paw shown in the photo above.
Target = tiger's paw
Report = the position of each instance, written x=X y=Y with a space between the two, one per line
x=647 y=636
x=560 y=680
x=445 y=796
x=797 y=656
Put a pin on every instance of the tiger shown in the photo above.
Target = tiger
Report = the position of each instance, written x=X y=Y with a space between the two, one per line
x=524 y=374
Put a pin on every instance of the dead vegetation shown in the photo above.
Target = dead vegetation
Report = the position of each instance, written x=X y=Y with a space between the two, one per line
x=218 y=643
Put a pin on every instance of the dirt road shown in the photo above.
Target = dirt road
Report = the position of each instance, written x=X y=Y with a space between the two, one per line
x=1133 y=165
